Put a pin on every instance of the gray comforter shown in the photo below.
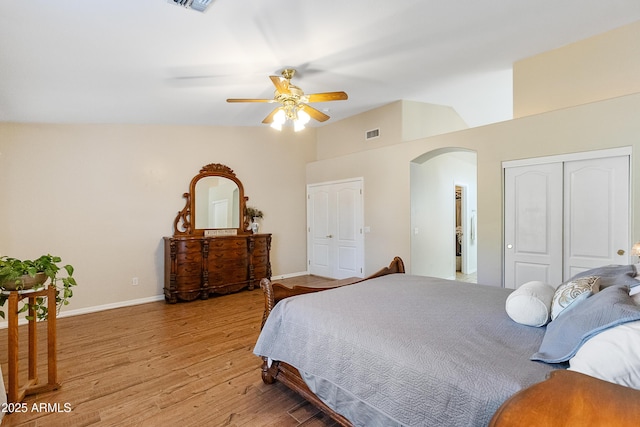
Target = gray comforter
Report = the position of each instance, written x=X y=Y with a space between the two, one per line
x=406 y=350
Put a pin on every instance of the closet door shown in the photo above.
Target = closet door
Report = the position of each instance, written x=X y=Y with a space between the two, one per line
x=335 y=225
x=533 y=224
x=565 y=217
x=596 y=211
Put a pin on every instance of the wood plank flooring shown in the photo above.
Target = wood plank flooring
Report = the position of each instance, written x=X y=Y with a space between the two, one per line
x=158 y=364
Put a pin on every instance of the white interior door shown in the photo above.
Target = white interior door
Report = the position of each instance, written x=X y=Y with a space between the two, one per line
x=319 y=226
x=335 y=225
x=533 y=224
x=596 y=207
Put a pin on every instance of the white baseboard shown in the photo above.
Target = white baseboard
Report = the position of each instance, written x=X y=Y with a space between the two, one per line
x=120 y=304
x=95 y=308
x=287 y=276
x=103 y=307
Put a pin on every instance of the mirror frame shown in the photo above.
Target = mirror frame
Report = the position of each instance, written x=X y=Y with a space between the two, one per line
x=184 y=224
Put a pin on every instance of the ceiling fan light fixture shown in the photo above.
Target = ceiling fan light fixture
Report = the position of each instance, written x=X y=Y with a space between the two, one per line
x=302 y=119
x=293 y=103
x=278 y=119
x=298 y=126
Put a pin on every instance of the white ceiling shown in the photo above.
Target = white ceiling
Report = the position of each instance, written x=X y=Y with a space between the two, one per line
x=150 y=61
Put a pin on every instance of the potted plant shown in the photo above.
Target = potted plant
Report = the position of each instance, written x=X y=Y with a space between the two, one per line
x=18 y=274
x=254 y=214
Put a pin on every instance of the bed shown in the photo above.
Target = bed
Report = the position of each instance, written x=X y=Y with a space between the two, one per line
x=402 y=350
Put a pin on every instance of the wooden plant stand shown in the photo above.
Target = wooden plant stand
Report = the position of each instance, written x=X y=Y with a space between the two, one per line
x=15 y=393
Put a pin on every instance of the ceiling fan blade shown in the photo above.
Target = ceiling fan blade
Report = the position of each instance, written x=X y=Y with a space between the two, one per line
x=249 y=100
x=269 y=119
x=327 y=96
x=315 y=114
x=280 y=84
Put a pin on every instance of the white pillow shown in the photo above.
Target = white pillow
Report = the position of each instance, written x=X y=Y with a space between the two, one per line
x=530 y=304
x=571 y=293
x=612 y=355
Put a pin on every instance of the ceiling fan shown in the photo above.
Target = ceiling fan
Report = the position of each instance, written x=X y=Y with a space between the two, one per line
x=293 y=102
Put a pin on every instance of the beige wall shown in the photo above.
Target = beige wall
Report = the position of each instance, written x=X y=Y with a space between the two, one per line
x=386 y=172
x=103 y=196
x=601 y=67
x=420 y=120
x=343 y=137
x=397 y=121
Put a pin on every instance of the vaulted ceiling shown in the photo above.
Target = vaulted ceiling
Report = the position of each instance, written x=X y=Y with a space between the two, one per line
x=151 y=61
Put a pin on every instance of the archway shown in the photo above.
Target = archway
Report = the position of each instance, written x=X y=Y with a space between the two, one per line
x=435 y=175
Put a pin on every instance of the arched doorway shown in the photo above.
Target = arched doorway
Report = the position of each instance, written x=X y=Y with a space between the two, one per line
x=443 y=228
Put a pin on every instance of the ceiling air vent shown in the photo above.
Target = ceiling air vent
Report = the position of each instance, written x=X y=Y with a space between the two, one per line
x=372 y=134
x=199 y=5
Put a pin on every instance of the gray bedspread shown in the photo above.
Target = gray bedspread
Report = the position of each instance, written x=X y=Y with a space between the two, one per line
x=406 y=350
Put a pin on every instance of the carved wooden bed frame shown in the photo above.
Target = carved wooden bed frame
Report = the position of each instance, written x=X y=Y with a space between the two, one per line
x=566 y=398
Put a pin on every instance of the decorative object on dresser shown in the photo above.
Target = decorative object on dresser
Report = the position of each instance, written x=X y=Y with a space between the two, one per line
x=255 y=214
x=211 y=250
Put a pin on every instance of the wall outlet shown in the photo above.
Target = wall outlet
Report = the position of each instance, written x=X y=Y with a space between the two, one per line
x=134 y=281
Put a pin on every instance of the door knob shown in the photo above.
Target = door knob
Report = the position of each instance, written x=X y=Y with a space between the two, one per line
x=620 y=251
x=329 y=236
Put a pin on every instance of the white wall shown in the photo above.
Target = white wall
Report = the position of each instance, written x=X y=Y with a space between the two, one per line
x=103 y=196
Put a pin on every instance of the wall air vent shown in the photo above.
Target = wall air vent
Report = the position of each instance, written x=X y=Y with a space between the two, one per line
x=372 y=134
x=199 y=5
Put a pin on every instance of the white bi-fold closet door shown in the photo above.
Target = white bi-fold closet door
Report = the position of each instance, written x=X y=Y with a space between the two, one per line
x=335 y=223
x=565 y=215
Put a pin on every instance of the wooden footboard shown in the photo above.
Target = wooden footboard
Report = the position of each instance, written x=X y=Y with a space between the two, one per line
x=569 y=398
x=273 y=371
x=274 y=292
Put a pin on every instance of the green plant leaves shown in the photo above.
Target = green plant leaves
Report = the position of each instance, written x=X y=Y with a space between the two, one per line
x=11 y=269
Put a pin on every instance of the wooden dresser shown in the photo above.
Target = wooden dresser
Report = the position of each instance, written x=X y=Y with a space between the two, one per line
x=213 y=249
x=197 y=266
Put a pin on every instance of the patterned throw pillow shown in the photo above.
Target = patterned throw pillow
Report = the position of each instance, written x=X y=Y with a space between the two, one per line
x=571 y=293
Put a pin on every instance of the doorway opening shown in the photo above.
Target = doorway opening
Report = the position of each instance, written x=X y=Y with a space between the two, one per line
x=464 y=233
x=443 y=225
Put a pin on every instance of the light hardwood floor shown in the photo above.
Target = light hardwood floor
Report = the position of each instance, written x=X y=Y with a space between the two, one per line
x=158 y=364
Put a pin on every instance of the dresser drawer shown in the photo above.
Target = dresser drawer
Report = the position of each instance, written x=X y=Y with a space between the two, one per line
x=230 y=259
x=223 y=245
x=222 y=277
x=189 y=287
x=229 y=254
x=185 y=268
x=188 y=246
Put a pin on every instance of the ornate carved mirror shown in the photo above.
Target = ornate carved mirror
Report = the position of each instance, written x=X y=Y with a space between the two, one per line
x=215 y=204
